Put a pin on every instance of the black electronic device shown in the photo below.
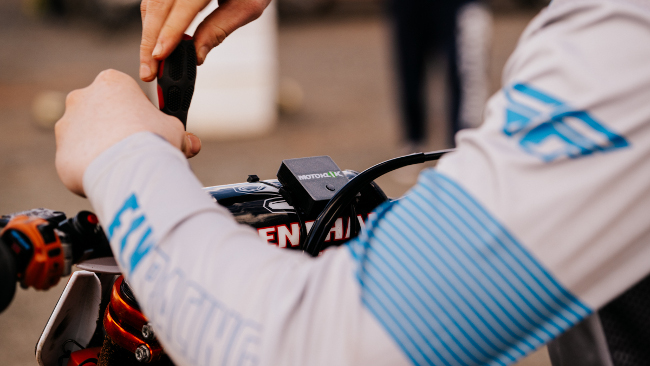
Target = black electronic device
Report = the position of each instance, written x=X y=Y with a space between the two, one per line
x=311 y=182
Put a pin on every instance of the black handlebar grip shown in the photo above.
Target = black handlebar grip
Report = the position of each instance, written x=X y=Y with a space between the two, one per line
x=8 y=276
x=176 y=78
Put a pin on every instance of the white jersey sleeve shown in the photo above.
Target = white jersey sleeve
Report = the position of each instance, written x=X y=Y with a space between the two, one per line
x=563 y=158
x=214 y=292
x=539 y=218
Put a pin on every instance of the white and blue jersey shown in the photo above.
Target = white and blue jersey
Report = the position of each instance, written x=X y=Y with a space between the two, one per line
x=537 y=220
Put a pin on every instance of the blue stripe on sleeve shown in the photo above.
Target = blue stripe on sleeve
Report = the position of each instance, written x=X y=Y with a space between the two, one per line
x=452 y=286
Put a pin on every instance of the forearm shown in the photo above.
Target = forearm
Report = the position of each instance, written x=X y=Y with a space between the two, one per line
x=212 y=289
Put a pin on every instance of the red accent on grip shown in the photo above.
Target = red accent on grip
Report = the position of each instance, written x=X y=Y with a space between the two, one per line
x=161 y=67
x=161 y=99
x=186 y=37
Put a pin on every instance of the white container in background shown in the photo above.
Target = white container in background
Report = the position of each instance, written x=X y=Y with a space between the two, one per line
x=236 y=88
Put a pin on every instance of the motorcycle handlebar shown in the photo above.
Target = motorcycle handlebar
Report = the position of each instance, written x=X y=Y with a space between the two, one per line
x=65 y=241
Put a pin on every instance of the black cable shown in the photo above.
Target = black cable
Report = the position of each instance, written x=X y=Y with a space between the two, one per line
x=67 y=353
x=268 y=184
x=354 y=222
x=344 y=196
x=71 y=341
x=303 y=228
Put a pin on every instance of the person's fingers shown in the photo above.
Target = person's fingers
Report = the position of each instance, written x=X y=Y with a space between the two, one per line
x=143 y=10
x=191 y=145
x=209 y=34
x=145 y=68
x=117 y=80
x=154 y=13
x=72 y=98
x=229 y=16
x=180 y=17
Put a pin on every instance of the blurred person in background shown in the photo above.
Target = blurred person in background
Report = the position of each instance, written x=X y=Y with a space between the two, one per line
x=459 y=28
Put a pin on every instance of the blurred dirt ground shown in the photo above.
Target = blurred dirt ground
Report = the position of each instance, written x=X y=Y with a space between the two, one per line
x=342 y=62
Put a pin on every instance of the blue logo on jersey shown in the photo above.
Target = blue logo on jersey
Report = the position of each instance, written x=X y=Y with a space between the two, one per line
x=133 y=233
x=550 y=129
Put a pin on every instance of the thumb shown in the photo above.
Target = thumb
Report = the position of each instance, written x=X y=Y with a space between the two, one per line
x=224 y=20
x=191 y=145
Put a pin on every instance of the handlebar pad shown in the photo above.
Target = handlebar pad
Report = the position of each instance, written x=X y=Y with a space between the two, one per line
x=8 y=276
x=176 y=78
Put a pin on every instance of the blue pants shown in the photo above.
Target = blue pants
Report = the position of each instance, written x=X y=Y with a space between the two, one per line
x=421 y=27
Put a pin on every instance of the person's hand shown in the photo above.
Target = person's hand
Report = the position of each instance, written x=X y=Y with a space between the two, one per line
x=164 y=21
x=112 y=108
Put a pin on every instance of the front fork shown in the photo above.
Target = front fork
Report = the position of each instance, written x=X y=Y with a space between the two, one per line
x=123 y=335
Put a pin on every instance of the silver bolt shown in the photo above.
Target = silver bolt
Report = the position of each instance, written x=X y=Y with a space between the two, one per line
x=142 y=354
x=147 y=332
